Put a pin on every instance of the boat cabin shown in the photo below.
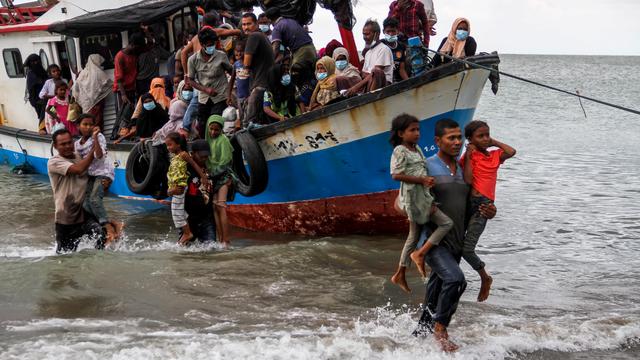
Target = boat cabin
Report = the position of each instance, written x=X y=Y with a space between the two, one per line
x=91 y=27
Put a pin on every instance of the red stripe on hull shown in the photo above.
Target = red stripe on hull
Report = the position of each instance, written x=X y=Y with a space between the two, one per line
x=357 y=214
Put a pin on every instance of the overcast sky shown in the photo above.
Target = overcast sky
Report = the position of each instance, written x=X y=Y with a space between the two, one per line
x=585 y=27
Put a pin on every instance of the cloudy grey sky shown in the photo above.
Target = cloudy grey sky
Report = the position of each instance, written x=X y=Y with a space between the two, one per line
x=586 y=27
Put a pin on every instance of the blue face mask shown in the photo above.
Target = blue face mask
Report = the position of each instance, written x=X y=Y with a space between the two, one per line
x=210 y=50
x=264 y=28
x=462 y=34
x=321 y=76
x=149 y=106
x=286 y=80
x=342 y=64
x=187 y=95
x=391 y=38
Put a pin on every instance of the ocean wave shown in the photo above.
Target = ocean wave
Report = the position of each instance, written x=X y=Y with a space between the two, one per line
x=382 y=333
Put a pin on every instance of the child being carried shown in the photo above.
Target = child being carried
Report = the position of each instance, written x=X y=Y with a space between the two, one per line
x=481 y=172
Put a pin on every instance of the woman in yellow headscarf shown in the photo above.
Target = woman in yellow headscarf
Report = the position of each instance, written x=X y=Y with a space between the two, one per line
x=326 y=90
x=458 y=44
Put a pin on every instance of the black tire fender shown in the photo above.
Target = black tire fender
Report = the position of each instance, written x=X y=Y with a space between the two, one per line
x=143 y=167
x=246 y=149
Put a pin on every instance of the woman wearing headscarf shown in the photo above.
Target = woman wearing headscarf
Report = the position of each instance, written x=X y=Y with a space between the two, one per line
x=36 y=77
x=347 y=75
x=326 y=89
x=177 y=109
x=151 y=118
x=157 y=90
x=458 y=44
x=279 y=101
x=91 y=88
x=221 y=173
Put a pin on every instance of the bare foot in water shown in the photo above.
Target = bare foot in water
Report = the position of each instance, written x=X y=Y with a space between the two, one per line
x=186 y=237
x=418 y=259
x=399 y=279
x=485 y=287
x=119 y=226
x=442 y=337
x=110 y=234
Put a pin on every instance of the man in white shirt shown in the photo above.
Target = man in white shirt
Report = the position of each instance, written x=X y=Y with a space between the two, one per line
x=377 y=71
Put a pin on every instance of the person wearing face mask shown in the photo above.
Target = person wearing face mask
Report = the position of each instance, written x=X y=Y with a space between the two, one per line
x=305 y=83
x=150 y=119
x=176 y=112
x=279 y=101
x=377 y=71
x=458 y=44
x=397 y=46
x=207 y=73
x=347 y=75
x=326 y=90
x=264 y=24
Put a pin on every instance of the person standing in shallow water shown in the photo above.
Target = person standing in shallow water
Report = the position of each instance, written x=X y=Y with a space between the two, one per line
x=69 y=179
x=446 y=283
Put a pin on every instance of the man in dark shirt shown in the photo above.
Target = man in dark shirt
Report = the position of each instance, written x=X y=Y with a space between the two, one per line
x=398 y=47
x=199 y=209
x=258 y=59
x=447 y=283
x=293 y=36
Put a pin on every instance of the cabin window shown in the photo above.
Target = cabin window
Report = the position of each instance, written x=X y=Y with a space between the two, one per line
x=72 y=58
x=160 y=34
x=106 y=46
x=13 y=63
x=178 y=32
x=44 y=58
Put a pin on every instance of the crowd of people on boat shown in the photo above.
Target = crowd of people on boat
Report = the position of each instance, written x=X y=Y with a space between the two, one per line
x=233 y=72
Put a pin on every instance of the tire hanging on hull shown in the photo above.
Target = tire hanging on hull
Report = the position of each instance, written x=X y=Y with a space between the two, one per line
x=146 y=170
x=246 y=149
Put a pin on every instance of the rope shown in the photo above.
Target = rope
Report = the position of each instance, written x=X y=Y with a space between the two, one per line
x=619 y=107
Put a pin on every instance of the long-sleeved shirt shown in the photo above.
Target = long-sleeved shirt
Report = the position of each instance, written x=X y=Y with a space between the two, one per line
x=416 y=20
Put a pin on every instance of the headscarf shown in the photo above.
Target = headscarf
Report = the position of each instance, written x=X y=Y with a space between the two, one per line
x=331 y=47
x=326 y=90
x=350 y=70
x=453 y=46
x=92 y=84
x=179 y=91
x=38 y=70
x=221 y=148
x=159 y=93
x=150 y=121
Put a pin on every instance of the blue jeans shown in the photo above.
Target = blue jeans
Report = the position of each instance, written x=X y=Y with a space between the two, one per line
x=445 y=286
x=93 y=201
x=187 y=120
x=475 y=228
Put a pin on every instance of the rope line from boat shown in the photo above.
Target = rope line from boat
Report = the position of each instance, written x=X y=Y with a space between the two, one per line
x=576 y=94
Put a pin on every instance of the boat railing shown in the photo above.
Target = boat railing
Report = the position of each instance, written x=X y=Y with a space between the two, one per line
x=16 y=15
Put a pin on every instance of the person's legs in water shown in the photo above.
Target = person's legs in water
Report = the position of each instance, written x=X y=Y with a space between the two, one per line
x=68 y=236
x=444 y=226
x=204 y=230
x=399 y=278
x=220 y=211
x=94 y=204
x=475 y=228
x=180 y=217
x=444 y=297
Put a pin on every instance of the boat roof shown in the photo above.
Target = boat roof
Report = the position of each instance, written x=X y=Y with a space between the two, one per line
x=120 y=17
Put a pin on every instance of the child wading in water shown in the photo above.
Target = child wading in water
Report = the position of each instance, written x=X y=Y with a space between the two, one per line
x=408 y=165
x=178 y=177
x=481 y=172
x=101 y=174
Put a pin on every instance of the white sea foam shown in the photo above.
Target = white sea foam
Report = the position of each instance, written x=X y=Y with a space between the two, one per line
x=381 y=334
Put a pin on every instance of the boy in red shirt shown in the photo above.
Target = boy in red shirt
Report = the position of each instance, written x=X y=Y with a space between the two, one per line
x=481 y=172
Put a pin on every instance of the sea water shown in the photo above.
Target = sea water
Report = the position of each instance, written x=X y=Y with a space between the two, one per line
x=564 y=253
